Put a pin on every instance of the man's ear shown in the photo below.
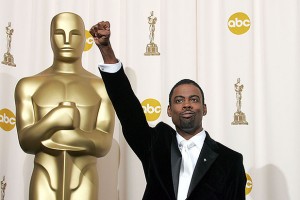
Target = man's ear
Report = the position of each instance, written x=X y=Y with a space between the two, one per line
x=169 y=111
x=204 y=110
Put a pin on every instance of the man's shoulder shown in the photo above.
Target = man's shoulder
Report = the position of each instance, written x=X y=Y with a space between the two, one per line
x=225 y=150
x=162 y=126
x=222 y=149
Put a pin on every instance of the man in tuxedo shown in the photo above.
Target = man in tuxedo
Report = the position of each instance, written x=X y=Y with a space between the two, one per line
x=205 y=169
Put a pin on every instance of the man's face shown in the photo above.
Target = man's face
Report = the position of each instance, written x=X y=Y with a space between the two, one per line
x=187 y=109
x=67 y=37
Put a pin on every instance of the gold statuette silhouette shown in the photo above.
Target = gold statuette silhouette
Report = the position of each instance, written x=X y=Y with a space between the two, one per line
x=239 y=116
x=65 y=118
x=3 y=186
x=151 y=49
x=8 y=57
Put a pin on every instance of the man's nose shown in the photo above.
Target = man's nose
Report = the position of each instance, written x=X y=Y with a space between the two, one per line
x=187 y=104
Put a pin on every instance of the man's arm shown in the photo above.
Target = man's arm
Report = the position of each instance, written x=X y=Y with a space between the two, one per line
x=127 y=106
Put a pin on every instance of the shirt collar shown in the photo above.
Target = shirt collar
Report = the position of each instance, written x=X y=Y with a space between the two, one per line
x=198 y=139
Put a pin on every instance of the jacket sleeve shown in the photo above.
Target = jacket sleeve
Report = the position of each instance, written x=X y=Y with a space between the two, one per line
x=135 y=127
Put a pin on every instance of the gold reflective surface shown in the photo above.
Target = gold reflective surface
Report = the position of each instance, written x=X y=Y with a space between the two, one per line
x=65 y=118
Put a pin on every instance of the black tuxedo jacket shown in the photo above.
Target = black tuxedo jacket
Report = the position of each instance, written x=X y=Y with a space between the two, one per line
x=219 y=173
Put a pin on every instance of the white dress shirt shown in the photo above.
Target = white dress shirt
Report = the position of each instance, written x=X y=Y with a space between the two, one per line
x=110 y=68
x=190 y=154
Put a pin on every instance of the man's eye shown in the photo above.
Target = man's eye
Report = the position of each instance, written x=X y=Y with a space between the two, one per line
x=194 y=100
x=178 y=101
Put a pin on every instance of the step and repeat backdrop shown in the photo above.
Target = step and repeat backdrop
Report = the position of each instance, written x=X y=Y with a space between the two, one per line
x=244 y=54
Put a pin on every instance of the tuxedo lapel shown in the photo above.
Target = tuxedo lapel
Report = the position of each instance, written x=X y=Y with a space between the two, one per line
x=175 y=163
x=163 y=162
x=206 y=158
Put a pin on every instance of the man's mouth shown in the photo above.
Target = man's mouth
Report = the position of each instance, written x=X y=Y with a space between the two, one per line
x=187 y=114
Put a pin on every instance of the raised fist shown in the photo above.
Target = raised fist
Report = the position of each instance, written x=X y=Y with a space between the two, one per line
x=101 y=33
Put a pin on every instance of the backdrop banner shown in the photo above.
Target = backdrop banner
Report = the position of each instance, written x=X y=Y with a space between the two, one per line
x=244 y=54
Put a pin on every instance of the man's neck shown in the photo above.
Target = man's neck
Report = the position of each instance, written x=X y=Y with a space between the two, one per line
x=189 y=135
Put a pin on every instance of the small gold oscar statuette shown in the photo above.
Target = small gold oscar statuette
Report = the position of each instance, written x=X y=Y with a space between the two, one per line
x=239 y=116
x=8 y=58
x=151 y=49
x=3 y=186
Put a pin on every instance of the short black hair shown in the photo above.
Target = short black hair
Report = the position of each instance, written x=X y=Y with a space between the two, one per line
x=182 y=82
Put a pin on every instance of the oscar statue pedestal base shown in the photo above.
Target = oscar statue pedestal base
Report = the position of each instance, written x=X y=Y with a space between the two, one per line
x=239 y=118
x=8 y=60
x=151 y=50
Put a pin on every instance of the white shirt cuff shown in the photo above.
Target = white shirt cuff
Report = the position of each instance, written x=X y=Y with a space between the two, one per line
x=110 y=68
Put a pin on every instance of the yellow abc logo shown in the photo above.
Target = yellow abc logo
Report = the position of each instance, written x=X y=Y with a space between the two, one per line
x=239 y=23
x=152 y=109
x=89 y=40
x=7 y=119
x=248 y=184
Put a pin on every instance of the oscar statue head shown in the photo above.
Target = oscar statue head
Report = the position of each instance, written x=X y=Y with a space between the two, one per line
x=67 y=36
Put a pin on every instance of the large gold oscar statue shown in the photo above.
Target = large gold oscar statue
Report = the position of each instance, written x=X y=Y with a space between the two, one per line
x=65 y=118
